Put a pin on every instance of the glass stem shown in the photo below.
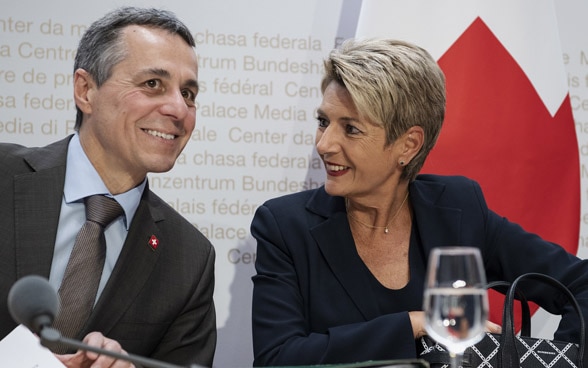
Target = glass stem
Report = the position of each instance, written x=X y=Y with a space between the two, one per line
x=455 y=359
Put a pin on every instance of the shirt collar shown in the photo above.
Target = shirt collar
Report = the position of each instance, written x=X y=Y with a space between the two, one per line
x=82 y=180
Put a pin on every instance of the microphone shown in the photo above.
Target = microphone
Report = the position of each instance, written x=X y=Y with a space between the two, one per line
x=33 y=302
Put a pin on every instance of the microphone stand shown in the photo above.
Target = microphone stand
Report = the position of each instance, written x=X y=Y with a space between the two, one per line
x=50 y=337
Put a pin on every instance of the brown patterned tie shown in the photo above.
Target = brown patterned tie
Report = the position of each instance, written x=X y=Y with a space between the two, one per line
x=84 y=268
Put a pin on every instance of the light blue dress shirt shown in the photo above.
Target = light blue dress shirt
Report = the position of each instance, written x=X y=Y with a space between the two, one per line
x=82 y=180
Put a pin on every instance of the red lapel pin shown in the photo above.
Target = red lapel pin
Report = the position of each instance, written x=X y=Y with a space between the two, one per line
x=153 y=242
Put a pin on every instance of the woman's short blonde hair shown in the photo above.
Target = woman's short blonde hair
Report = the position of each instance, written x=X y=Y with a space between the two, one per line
x=394 y=84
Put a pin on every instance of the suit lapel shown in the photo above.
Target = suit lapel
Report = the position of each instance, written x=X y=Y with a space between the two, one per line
x=335 y=242
x=38 y=196
x=439 y=226
x=132 y=270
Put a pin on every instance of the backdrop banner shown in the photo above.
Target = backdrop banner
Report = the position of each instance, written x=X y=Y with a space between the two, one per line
x=517 y=114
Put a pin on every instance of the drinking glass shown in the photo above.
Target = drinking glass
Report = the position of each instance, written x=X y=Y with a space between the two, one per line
x=455 y=299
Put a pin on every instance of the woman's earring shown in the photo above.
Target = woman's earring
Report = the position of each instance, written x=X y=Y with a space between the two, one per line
x=401 y=163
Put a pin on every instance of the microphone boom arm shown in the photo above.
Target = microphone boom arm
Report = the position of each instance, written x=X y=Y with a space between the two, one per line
x=50 y=337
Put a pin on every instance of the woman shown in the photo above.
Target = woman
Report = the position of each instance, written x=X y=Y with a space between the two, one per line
x=340 y=269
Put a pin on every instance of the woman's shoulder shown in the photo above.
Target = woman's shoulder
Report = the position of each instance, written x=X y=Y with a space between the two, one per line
x=316 y=201
x=445 y=179
x=446 y=187
x=294 y=199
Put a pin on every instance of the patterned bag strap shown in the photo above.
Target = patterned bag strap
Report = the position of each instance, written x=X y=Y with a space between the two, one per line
x=509 y=356
x=502 y=287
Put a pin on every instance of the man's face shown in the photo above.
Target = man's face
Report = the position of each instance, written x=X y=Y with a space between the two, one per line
x=141 y=118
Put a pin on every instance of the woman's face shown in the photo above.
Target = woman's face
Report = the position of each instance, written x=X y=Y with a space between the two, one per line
x=357 y=160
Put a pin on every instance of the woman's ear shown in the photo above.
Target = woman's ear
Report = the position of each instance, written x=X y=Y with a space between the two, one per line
x=84 y=88
x=412 y=142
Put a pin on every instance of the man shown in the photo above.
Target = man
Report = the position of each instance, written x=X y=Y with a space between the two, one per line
x=135 y=84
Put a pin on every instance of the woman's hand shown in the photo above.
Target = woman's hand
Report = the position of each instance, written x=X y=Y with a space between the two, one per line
x=493 y=327
x=88 y=359
x=417 y=319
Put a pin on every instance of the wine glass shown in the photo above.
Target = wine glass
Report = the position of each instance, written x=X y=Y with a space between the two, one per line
x=455 y=299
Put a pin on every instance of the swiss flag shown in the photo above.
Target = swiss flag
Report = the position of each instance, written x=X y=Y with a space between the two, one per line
x=509 y=122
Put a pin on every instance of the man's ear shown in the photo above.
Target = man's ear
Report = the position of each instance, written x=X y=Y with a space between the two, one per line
x=84 y=88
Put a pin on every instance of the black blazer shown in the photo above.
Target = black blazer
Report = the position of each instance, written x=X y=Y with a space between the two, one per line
x=157 y=303
x=311 y=306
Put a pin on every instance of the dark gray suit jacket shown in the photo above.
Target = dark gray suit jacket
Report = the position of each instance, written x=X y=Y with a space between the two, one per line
x=157 y=303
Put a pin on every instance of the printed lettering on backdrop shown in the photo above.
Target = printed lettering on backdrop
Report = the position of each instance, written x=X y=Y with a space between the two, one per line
x=509 y=122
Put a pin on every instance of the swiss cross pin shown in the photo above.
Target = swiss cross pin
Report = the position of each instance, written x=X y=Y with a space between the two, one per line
x=153 y=242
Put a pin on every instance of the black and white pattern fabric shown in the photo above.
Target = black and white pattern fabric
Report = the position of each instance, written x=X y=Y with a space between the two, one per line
x=485 y=354
x=508 y=350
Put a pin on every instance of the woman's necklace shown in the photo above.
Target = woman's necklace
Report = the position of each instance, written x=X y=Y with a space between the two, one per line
x=377 y=227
